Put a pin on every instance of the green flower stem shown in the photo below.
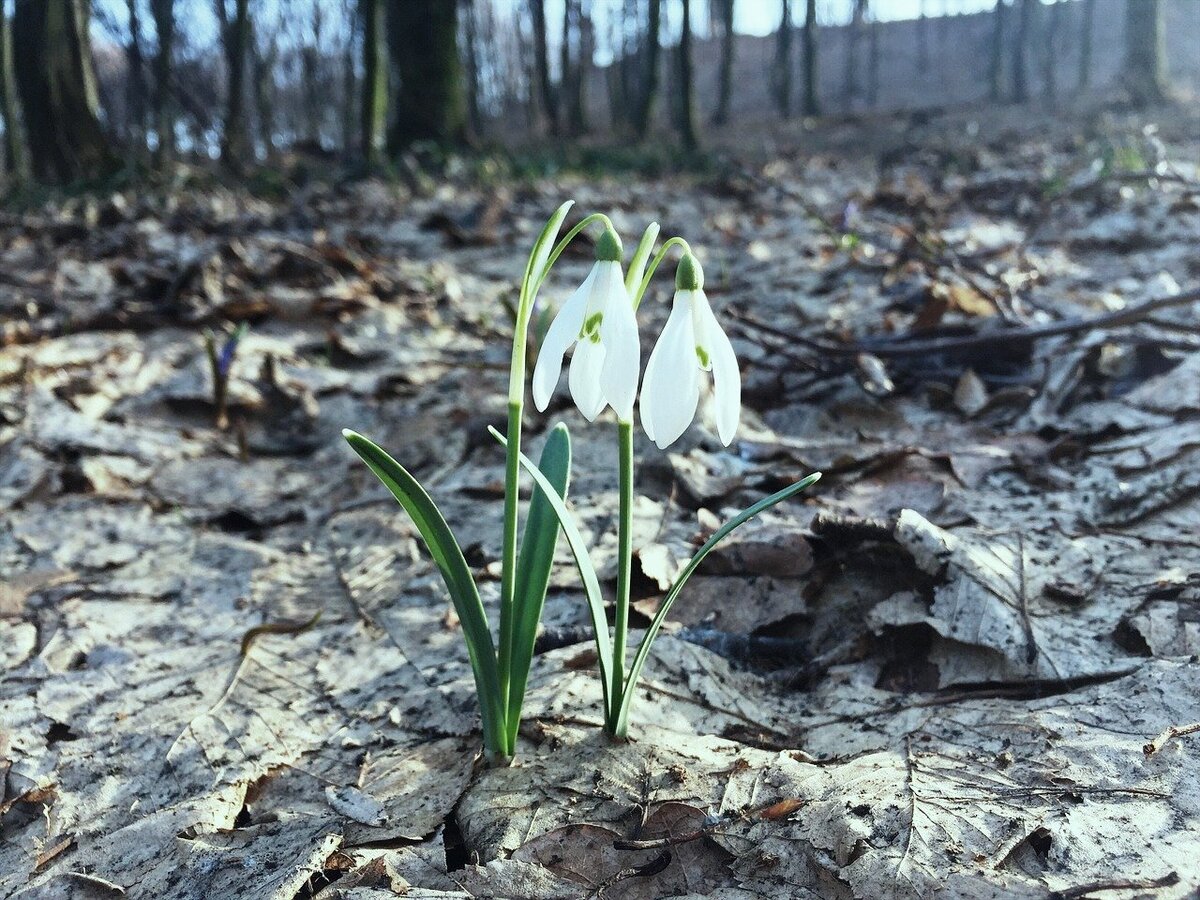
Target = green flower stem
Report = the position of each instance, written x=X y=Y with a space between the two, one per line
x=655 y=263
x=508 y=572
x=624 y=570
x=562 y=245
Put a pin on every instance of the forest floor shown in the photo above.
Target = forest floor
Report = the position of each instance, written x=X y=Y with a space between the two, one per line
x=935 y=674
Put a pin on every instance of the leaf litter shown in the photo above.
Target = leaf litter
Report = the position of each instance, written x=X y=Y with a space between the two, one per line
x=933 y=677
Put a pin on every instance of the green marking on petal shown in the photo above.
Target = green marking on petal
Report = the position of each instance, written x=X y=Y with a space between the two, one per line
x=591 y=327
x=702 y=355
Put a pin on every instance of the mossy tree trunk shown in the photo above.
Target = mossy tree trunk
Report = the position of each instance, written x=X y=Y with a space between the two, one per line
x=724 y=11
x=649 y=87
x=430 y=102
x=163 y=12
x=14 y=149
x=374 y=86
x=57 y=85
x=1145 y=73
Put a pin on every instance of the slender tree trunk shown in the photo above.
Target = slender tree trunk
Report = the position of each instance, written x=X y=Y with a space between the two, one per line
x=310 y=80
x=135 y=88
x=687 y=99
x=1087 y=29
x=374 y=86
x=873 y=65
x=996 y=63
x=782 y=70
x=14 y=149
x=1050 y=53
x=809 y=38
x=263 y=62
x=471 y=35
x=853 y=35
x=163 y=12
x=430 y=103
x=649 y=91
x=922 y=40
x=235 y=32
x=576 y=87
x=1145 y=73
x=724 y=14
x=542 y=63
x=1020 y=77
x=54 y=74
x=351 y=95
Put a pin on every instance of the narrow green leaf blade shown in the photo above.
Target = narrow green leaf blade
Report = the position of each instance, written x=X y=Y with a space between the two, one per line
x=448 y=556
x=533 y=568
x=587 y=572
x=694 y=563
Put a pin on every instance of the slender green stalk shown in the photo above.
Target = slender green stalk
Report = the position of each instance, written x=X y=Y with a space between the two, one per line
x=562 y=245
x=624 y=569
x=508 y=571
x=655 y=263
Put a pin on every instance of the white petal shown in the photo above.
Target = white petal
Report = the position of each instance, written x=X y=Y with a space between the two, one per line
x=623 y=351
x=562 y=333
x=586 y=365
x=727 y=378
x=671 y=387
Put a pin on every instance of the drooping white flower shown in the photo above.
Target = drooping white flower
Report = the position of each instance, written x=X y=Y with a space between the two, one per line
x=598 y=320
x=691 y=343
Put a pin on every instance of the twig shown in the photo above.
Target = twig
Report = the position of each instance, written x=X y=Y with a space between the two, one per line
x=646 y=870
x=1117 y=884
x=1175 y=731
x=904 y=347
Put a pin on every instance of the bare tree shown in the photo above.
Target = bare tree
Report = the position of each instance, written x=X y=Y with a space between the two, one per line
x=996 y=64
x=542 y=63
x=687 y=99
x=1050 y=53
x=858 y=17
x=471 y=36
x=809 y=39
x=781 y=70
x=163 y=12
x=649 y=87
x=1087 y=28
x=922 y=39
x=52 y=58
x=430 y=103
x=1145 y=72
x=264 y=59
x=723 y=10
x=135 y=85
x=577 y=33
x=310 y=78
x=374 y=88
x=14 y=155
x=1020 y=46
x=234 y=39
x=873 y=64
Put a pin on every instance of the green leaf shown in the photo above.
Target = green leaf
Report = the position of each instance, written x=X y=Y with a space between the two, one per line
x=583 y=562
x=622 y=722
x=533 y=569
x=448 y=556
x=539 y=256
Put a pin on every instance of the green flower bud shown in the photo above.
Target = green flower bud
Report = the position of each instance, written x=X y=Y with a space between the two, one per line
x=608 y=248
x=689 y=276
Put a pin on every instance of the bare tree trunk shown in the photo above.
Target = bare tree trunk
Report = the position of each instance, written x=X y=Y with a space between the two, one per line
x=853 y=35
x=1087 y=29
x=575 y=83
x=724 y=14
x=542 y=62
x=1145 y=74
x=350 y=92
x=135 y=88
x=781 y=73
x=1020 y=77
x=374 y=87
x=234 y=33
x=14 y=149
x=1050 y=53
x=922 y=40
x=430 y=103
x=873 y=65
x=163 y=12
x=54 y=74
x=471 y=35
x=310 y=80
x=649 y=91
x=996 y=64
x=809 y=39
x=687 y=99
x=263 y=61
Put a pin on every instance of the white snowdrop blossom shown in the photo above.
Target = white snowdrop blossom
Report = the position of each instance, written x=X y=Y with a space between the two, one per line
x=598 y=319
x=692 y=342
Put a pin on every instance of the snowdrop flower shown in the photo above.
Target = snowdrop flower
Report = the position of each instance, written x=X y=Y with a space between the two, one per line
x=598 y=320
x=691 y=343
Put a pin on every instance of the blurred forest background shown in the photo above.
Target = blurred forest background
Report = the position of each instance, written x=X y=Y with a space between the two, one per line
x=90 y=88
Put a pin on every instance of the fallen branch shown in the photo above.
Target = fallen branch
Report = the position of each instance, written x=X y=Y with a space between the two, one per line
x=1119 y=884
x=1175 y=731
x=904 y=347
